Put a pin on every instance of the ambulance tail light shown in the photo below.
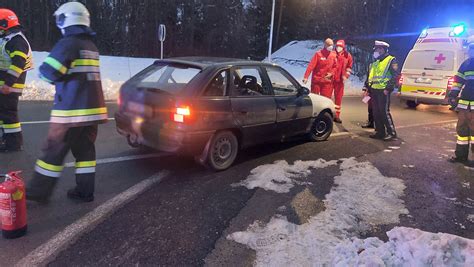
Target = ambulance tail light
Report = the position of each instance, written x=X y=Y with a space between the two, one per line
x=400 y=81
x=450 y=83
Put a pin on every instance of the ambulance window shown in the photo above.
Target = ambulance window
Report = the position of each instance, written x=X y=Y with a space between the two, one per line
x=430 y=60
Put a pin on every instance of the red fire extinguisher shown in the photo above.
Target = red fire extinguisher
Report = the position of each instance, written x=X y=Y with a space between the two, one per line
x=12 y=205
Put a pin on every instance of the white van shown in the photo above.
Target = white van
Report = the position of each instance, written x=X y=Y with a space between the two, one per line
x=428 y=71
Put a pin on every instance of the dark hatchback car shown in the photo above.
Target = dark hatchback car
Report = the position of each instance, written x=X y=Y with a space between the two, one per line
x=210 y=108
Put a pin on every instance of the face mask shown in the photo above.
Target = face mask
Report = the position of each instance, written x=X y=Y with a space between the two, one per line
x=330 y=48
x=376 y=55
x=339 y=49
x=63 y=31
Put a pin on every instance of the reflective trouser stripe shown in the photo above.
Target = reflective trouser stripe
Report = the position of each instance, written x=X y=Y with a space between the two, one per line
x=83 y=167
x=11 y=128
x=85 y=170
x=47 y=169
x=463 y=140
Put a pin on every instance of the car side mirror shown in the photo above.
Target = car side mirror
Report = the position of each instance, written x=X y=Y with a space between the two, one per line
x=303 y=91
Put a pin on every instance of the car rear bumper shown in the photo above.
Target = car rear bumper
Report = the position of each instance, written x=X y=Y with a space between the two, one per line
x=162 y=137
x=424 y=98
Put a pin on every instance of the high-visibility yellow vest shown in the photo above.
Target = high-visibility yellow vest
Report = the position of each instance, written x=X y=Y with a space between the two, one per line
x=5 y=57
x=379 y=76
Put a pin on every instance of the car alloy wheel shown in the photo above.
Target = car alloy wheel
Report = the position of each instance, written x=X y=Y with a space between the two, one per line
x=223 y=150
x=322 y=127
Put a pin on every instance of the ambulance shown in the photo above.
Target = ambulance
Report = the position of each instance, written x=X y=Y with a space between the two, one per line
x=428 y=72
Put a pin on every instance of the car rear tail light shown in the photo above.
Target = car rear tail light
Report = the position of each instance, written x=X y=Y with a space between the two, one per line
x=450 y=83
x=182 y=114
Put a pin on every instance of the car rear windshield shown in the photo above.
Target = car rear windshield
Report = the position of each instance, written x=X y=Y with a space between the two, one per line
x=171 y=78
x=430 y=60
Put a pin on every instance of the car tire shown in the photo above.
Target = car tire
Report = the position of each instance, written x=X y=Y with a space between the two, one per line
x=223 y=150
x=321 y=128
x=133 y=142
x=411 y=104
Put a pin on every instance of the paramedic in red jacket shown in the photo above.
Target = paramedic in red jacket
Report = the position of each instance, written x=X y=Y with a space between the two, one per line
x=323 y=68
x=343 y=71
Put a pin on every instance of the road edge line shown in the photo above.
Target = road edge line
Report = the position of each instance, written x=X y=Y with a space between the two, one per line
x=48 y=251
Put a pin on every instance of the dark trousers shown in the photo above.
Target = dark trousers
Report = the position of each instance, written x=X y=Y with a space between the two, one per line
x=465 y=131
x=381 y=109
x=80 y=141
x=370 y=111
x=10 y=128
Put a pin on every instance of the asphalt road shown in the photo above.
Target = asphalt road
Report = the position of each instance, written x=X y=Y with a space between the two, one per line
x=184 y=220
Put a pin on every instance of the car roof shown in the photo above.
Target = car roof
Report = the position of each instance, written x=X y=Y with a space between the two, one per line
x=213 y=62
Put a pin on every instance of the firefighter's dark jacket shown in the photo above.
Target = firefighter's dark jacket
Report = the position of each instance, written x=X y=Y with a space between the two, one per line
x=73 y=66
x=464 y=85
x=17 y=52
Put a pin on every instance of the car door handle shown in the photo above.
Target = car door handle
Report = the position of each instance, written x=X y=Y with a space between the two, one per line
x=243 y=112
x=281 y=108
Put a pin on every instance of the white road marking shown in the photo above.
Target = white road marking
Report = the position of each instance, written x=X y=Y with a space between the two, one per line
x=47 y=252
x=120 y=159
x=46 y=122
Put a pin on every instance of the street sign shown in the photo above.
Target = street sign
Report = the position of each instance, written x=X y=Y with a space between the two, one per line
x=162 y=36
x=162 y=32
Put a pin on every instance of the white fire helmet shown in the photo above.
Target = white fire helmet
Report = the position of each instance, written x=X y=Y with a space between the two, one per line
x=72 y=13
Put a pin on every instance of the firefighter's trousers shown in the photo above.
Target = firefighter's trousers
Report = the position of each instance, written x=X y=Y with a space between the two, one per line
x=465 y=131
x=381 y=108
x=10 y=127
x=80 y=141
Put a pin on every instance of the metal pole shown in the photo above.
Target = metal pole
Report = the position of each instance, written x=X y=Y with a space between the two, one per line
x=271 y=33
x=161 y=49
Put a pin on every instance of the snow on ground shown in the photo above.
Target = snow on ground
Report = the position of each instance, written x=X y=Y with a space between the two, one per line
x=407 y=247
x=361 y=199
x=114 y=70
x=295 y=57
x=280 y=176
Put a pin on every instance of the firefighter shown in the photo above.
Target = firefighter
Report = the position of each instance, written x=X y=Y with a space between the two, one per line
x=380 y=83
x=464 y=86
x=323 y=68
x=15 y=61
x=343 y=71
x=79 y=106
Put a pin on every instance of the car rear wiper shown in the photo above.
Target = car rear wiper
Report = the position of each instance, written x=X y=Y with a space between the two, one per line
x=430 y=69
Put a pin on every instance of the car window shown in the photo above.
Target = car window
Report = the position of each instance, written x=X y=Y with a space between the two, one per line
x=169 y=78
x=247 y=81
x=280 y=83
x=217 y=86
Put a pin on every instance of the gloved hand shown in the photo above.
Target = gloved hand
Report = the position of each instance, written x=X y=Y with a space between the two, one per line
x=453 y=102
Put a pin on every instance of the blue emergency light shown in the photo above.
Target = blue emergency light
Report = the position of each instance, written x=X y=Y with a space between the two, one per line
x=424 y=33
x=458 y=30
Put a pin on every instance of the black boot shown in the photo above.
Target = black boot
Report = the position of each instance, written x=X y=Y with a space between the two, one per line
x=368 y=125
x=76 y=195
x=456 y=160
x=40 y=188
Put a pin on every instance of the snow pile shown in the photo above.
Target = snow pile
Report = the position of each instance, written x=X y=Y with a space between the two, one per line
x=114 y=71
x=295 y=56
x=280 y=176
x=407 y=247
x=361 y=198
